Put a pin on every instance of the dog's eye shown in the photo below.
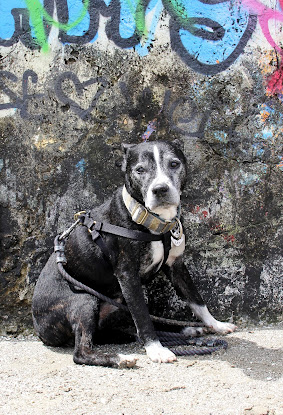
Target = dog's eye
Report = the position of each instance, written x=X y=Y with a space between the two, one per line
x=140 y=169
x=174 y=164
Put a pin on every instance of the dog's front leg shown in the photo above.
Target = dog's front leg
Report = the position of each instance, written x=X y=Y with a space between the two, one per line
x=186 y=289
x=132 y=291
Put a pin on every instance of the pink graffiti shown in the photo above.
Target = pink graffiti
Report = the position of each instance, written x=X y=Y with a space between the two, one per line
x=275 y=82
x=265 y=14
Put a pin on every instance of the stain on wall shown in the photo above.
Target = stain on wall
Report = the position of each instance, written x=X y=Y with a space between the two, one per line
x=78 y=78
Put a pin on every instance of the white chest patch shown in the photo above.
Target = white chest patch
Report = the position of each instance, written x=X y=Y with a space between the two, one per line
x=157 y=254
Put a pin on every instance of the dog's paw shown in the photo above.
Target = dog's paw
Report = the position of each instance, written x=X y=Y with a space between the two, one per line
x=221 y=327
x=159 y=354
x=126 y=361
x=194 y=331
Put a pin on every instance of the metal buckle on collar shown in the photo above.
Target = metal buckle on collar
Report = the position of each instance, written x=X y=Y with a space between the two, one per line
x=140 y=215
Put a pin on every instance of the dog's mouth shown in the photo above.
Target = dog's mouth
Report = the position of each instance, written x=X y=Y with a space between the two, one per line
x=163 y=203
x=166 y=211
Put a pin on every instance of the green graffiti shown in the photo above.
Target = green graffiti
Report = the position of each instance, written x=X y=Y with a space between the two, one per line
x=177 y=9
x=138 y=13
x=37 y=13
x=140 y=19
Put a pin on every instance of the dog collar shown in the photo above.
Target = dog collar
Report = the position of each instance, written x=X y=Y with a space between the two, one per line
x=142 y=216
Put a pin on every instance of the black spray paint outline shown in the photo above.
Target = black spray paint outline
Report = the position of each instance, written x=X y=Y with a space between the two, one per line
x=80 y=86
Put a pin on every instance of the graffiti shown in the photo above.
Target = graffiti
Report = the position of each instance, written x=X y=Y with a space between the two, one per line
x=208 y=35
x=79 y=87
x=265 y=16
x=37 y=15
x=171 y=110
x=22 y=102
x=16 y=101
x=214 y=39
x=69 y=90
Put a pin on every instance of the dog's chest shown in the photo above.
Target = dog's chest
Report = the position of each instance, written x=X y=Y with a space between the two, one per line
x=154 y=259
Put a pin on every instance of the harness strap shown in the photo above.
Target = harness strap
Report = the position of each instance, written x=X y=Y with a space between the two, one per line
x=167 y=246
x=96 y=237
x=95 y=227
x=118 y=230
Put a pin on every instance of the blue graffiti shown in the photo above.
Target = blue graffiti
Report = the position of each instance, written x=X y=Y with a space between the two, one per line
x=74 y=9
x=208 y=35
x=221 y=29
x=81 y=166
x=7 y=26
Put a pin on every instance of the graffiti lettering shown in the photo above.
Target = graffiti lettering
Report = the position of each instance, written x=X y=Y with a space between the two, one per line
x=26 y=96
x=16 y=101
x=181 y=114
x=208 y=35
x=181 y=125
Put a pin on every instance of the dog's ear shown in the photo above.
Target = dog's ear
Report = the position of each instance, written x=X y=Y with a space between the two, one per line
x=179 y=144
x=126 y=148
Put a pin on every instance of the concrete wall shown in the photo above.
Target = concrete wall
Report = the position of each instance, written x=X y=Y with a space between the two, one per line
x=77 y=78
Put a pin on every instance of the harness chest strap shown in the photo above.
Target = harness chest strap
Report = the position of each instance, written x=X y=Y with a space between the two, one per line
x=95 y=228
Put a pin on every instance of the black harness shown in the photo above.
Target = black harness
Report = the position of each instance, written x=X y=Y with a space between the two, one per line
x=96 y=228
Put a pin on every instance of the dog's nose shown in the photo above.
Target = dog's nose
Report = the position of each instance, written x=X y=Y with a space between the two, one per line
x=160 y=189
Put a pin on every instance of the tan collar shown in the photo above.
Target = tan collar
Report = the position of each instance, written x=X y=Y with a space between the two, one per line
x=142 y=216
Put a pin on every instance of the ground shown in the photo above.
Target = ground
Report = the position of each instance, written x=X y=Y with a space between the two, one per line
x=246 y=379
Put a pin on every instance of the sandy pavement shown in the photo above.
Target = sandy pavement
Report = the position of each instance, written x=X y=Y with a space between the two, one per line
x=244 y=380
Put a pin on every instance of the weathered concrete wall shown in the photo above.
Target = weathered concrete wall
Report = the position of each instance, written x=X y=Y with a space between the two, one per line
x=78 y=78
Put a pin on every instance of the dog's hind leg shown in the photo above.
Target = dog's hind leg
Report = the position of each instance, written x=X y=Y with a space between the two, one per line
x=84 y=322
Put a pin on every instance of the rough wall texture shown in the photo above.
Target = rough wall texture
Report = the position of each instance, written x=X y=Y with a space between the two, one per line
x=77 y=78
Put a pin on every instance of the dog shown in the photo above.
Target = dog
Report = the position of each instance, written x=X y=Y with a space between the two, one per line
x=149 y=202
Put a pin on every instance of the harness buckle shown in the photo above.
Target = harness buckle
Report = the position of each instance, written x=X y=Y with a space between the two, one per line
x=91 y=225
x=78 y=214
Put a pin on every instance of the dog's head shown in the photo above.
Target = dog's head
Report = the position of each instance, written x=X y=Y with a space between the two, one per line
x=155 y=174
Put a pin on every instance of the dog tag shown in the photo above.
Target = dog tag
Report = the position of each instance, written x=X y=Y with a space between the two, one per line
x=177 y=242
x=177 y=235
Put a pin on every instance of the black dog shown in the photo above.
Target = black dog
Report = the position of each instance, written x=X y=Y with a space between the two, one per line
x=155 y=174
